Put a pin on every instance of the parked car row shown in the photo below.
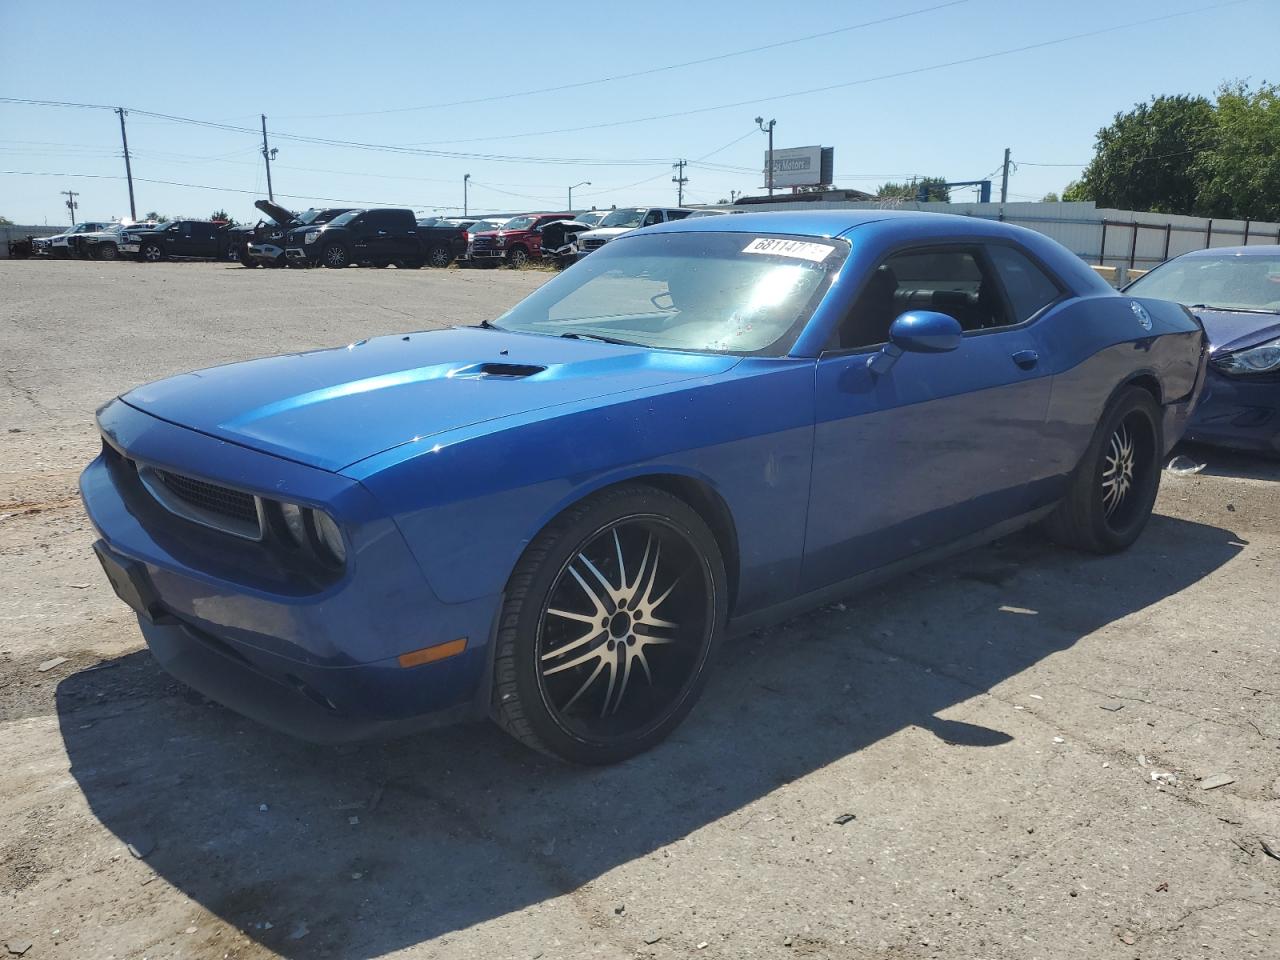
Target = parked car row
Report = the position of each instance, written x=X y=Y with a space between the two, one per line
x=338 y=237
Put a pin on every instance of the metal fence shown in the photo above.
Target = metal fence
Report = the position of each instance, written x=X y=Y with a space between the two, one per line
x=1097 y=235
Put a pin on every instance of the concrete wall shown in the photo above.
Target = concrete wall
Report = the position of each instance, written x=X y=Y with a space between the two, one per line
x=19 y=232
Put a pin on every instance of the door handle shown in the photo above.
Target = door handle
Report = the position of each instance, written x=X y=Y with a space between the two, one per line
x=1026 y=359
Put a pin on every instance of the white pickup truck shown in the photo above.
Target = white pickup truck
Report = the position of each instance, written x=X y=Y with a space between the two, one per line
x=59 y=244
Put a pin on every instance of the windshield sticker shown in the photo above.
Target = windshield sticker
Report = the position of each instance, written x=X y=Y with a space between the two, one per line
x=796 y=249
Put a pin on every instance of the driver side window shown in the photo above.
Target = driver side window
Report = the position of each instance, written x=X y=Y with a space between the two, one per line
x=950 y=280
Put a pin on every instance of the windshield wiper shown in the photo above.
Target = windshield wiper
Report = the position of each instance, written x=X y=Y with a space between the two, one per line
x=574 y=335
x=1210 y=306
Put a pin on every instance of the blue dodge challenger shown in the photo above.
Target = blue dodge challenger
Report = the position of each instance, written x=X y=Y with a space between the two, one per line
x=552 y=518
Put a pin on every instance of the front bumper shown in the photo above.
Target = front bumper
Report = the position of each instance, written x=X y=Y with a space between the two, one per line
x=1238 y=412
x=318 y=660
x=490 y=254
x=297 y=254
x=269 y=252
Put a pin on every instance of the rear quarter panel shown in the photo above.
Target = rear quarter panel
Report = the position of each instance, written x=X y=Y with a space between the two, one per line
x=1094 y=345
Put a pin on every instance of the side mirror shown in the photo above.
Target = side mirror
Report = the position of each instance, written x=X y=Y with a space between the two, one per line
x=917 y=331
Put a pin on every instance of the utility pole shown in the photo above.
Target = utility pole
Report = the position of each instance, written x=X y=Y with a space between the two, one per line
x=465 y=178
x=267 y=157
x=128 y=170
x=679 y=180
x=768 y=128
x=71 y=203
x=1004 y=179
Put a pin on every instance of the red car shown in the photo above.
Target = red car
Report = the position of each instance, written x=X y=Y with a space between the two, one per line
x=516 y=243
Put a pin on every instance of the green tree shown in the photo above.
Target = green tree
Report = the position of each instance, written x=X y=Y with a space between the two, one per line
x=936 y=186
x=223 y=215
x=1075 y=190
x=5 y=222
x=157 y=217
x=1146 y=159
x=1050 y=197
x=1239 y=175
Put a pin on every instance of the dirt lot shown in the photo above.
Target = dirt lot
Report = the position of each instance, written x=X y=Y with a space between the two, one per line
x=1019 y=735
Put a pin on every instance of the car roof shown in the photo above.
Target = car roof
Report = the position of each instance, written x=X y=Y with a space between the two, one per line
x=835 y=223
x=1253 y=250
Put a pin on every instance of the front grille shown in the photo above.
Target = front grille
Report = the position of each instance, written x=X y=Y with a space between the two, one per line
x=593 y=243
x=210 y=504
x=482 y=243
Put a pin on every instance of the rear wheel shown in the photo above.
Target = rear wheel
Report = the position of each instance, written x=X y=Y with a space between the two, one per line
x=335 y=256
x=438 y=257
x=609 y=623
x=1114 y=487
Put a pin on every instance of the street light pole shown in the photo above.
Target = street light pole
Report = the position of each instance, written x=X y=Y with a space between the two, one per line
x=465 y=178
x=768 y=128
x=584 y=183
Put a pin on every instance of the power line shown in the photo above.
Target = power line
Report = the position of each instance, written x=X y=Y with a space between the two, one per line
x=913 y=71
x=637 y=73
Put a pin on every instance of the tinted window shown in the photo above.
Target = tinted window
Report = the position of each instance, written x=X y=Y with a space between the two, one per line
x=652 y=217
x=678 y=214
x=1030 y=290
x=946 y=280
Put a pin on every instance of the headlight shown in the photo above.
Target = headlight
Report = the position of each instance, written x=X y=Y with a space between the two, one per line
x=275 y=236
x=330 y=536
x=500 y=242
x=1261 y=359
x=311 y=236
x=295 y=523
x=315 y=532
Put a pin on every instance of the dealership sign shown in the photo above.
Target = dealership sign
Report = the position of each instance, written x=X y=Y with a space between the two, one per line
x=800 y=166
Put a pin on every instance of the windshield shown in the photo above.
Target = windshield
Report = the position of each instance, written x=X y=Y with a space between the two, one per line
x=630 y=218
x=717 y=292
x=343 y=219
x=308 y=216
x=519 y=223
x=1228 y=282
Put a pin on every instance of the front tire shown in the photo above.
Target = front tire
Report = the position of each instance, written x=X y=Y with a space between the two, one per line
x=1113 y=489
x=608 y=626
x=518 y=257
x=151 y=253
x=335 y=256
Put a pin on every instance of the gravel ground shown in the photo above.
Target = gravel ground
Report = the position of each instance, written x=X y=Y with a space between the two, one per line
x=1003 y=756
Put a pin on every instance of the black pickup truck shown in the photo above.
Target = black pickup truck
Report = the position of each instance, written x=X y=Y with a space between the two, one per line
x=263 y=243
x=181 y=239
x=375 y=238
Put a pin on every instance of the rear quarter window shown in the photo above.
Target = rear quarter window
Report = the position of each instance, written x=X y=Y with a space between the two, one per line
x=1029 y=288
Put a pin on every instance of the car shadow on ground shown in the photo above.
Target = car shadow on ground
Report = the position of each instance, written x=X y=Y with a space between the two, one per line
x=378 y=847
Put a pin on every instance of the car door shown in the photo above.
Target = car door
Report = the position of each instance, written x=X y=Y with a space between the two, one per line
x=941 y=445
x=177 y=239
x=364 y=235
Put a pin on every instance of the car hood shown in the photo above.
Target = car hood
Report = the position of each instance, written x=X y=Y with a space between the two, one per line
x=607 y=233
x=286 y=218
x=1233 y=330
x=333 y=408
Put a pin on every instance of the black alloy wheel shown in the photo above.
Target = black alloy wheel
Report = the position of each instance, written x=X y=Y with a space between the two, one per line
x=610 y=620
x=151 y=252
x=1113 y=489
x=438 y=257
x=335 y=256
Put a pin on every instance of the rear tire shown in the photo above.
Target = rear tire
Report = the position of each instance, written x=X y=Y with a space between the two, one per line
x=439 y=257
x=631 y=631
x=1114 y=487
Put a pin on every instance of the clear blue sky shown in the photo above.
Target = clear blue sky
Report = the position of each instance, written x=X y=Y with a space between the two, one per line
x=230 y=61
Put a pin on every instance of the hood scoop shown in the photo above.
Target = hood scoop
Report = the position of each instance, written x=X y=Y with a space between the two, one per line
x=497 y=370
